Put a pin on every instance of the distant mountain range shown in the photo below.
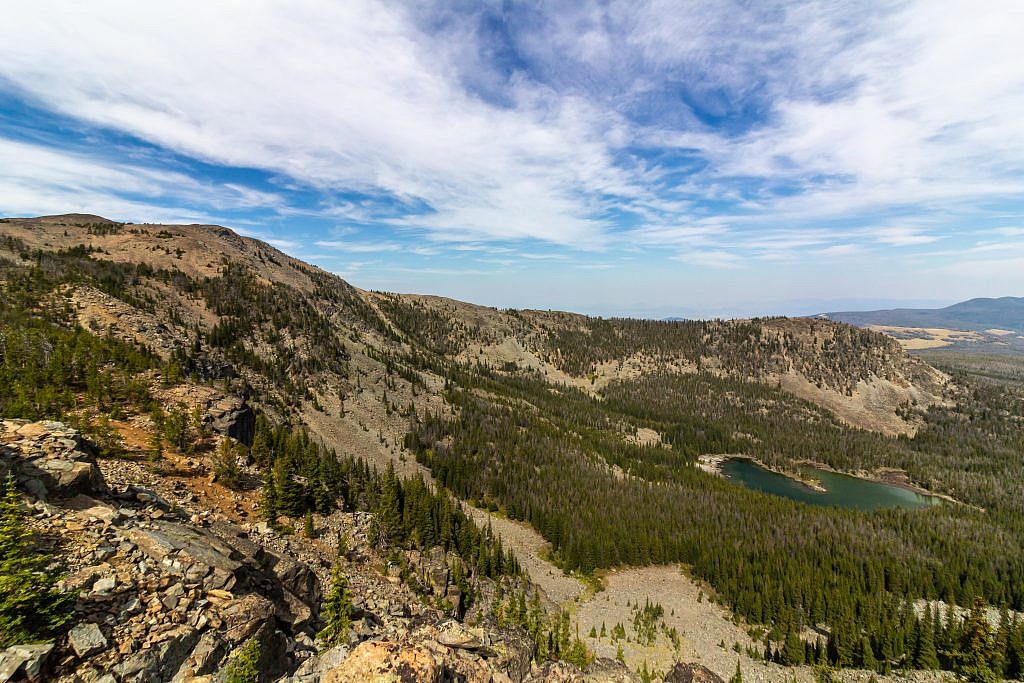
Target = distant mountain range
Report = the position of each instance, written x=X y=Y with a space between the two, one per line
x=1004 y=313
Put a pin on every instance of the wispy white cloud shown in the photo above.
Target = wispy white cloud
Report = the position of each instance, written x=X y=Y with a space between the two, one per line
x=36 y=179
x=358 y=247
x=841 y=250
x=711 y=259
x=307 y=93
x=836 y=129
x=902 y=236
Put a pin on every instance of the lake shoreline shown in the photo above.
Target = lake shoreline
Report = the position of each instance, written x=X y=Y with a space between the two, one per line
x=712 y=464
x=896 y=478
x=890 y=476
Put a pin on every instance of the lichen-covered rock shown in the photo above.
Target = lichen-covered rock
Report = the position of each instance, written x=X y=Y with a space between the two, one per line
x=510 y=649
x=386 y=662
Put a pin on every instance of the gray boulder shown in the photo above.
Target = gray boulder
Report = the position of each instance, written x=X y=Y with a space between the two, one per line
x=24 y=662
x=86 y=640
x=605 y=670
x=232 y=417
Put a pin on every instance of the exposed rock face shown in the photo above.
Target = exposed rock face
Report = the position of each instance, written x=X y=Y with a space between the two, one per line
x=692 y=673
x=386 y=661
x=48 y=459
x=162 y=597
x=443 y=651
x=165 y=595
x=231 y=416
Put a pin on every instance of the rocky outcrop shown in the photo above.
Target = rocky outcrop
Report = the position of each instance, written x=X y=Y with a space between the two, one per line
x=604 y=670
x=168 y=595
x=432 y=650
x=163 y=596
x=48 y=459
x=231 y=416
x=692 y=673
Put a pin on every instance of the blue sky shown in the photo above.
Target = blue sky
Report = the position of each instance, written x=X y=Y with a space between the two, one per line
x=655 y=159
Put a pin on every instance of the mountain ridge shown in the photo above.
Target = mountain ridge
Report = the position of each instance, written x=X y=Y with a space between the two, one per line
x=475 y=401
x=497 y=336
x=977 y=314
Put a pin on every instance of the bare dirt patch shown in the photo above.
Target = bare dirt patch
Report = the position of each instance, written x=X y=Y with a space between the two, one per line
x=702 y=625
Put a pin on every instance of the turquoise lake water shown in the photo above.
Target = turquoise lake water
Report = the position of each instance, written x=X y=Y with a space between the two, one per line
x=841 y=490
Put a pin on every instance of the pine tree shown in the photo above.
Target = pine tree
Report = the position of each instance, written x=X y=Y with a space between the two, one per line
x=793 y=650
x=971 y=660
x=867 y=654
x=268 y=501
x=31 y=606
x=389 y=509
x=925 y=656
x=738 y=676
x=290 y=494
x=336 y=609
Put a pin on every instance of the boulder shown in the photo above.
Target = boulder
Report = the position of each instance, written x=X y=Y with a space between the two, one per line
x=26 y=662
x=558 y=672
x=48 y=459
x=87 y=640
x=314 y=668
x=509 y=649
x=383 y=660
x=231 y=416
x=153 y=665
x=692 y=673
x=456 y=635
x=204 y=659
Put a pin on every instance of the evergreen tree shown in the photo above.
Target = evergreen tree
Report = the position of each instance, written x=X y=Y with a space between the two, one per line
x=244 y=664
x=389 y=509
x=268 y=499
x=32 y=609
x=290 y=493
x=925 y=656
x=867 y=654
x=738 y=676
x=337 y=608
x=793 y=650
x=972 y=659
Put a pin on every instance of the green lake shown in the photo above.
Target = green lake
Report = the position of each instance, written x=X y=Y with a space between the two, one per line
x=842 y=490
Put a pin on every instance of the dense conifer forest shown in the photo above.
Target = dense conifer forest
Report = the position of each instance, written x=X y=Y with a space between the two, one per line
x=558 y=459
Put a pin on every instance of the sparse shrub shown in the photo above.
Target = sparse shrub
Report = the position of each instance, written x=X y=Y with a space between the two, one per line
x=244 y=667
x=225 y=463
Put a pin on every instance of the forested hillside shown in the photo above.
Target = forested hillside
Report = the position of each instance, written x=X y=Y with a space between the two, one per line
x=537 y=415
